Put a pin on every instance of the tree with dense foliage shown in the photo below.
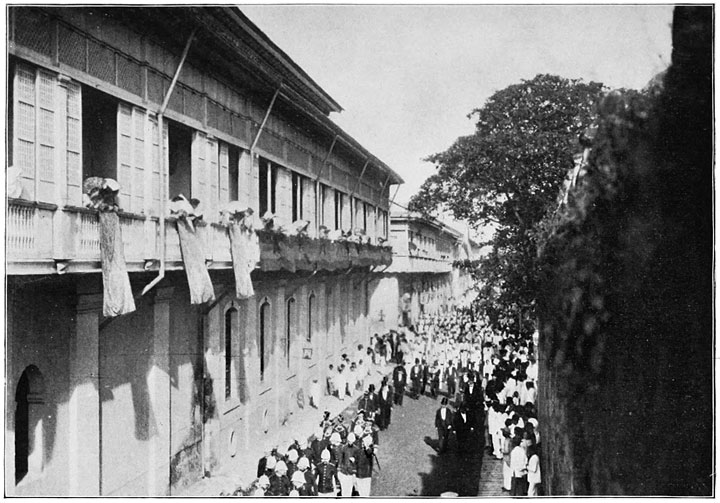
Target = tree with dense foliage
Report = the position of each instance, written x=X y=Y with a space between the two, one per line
x=508 y=174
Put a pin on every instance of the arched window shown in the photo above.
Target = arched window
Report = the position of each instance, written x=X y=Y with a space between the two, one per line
x=264 y=329
x=310 y=316
x=29 y=423
x=230 y=324
x=289 y=327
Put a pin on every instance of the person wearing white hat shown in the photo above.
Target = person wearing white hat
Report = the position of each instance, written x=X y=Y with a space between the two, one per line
x=262 y=486
x=270 y=463
x=303 y=467
x=279 y=481
x=298 y=482
x=317 y=445
x=326 y=480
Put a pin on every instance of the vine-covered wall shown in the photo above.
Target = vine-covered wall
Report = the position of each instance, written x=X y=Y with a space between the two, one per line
x=626 y=397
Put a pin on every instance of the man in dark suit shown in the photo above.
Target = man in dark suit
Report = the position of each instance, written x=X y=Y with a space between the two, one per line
x=444 y=424
x=416 y=378
x=472 y=394
x=368 y=402
x=385 y=402
x=464 y=428
x=399 y=383
x=425 y=376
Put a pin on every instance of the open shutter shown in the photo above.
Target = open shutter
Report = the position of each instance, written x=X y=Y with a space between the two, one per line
x=124 y=155
x=309 y=203
x=329 y=207
x=74 y=143
x=131 y=160
x=24 y=127
x=137 y=203
x=155 y=162
x=224 y=174
x=346 y=213
x=371 y=231
x=199 y=172
x=283 y=195
x=253 y=162
x=46 y=135
x=211 y=154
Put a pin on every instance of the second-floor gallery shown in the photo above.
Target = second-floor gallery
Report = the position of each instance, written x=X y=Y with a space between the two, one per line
x=140 y=140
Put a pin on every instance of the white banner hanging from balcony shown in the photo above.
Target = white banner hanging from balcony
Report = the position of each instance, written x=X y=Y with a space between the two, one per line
x=189 y=219
x=244 y=247
x=101 y=194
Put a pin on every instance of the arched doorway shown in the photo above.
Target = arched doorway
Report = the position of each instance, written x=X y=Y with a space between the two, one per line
x=29 y=399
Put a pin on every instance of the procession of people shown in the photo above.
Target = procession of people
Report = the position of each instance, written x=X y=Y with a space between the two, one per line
x=486 y=384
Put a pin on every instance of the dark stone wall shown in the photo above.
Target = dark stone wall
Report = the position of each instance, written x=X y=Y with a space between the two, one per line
x=626 y=320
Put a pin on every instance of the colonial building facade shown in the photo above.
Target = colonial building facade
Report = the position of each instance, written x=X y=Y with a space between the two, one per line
x=422 y=276
x=170 y=101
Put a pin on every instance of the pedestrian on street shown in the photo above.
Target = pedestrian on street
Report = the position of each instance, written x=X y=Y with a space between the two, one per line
x=262 y=486
x=451 y=379
x=341 y=383
x=518 y=466
x=315 y=393
x=385 y=402
x=425 y=376
x=444 y=425
x=330 y=381
x=416 y=378
x=298 y=482
x=434 y=379
x=348 y=466
x=363 y=476
x=368 y=402
x=307 y=472
x=464 y=427
x=399 y=383
x=506 y=450
x=327 y=482
x=279 y=482
x=533 y=471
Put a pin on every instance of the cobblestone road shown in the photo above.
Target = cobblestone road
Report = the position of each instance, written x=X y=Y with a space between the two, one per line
x=411 y=466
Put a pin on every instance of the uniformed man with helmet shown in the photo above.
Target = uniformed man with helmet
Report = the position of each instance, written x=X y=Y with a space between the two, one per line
x=326 y=480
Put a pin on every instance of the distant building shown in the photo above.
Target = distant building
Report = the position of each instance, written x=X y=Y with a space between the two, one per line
x=422 y=277
x=148 y=402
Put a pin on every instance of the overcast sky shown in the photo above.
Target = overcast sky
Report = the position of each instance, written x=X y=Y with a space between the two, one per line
x=408 y=75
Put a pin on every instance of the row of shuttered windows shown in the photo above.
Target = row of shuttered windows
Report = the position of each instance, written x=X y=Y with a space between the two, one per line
x=58 y=125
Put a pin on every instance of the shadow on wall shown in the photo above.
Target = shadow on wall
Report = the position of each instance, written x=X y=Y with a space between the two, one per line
x=35 y=425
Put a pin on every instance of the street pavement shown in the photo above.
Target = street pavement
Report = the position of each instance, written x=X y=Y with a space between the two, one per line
x=411 y=466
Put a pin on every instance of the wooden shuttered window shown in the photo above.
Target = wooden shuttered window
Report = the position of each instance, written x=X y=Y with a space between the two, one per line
x=138 y=159
x=204 y=176
x=46 y=135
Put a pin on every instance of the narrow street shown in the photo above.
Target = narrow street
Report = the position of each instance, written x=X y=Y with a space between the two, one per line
x=411 y=466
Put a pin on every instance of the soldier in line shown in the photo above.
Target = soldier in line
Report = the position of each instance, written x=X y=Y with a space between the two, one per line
x=326 y=481
x=347 y=466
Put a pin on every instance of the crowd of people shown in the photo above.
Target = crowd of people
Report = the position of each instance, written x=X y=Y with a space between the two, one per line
x=489 y=377
x=339 y=458
x=487 y=383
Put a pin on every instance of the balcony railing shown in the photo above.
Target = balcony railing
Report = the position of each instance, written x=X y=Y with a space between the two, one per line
x=41 y=236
